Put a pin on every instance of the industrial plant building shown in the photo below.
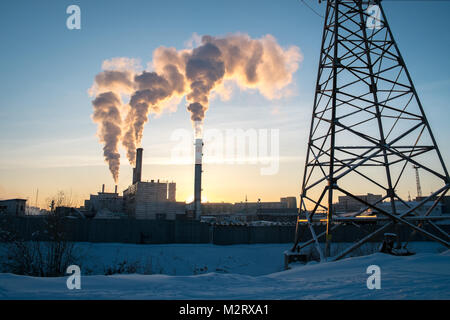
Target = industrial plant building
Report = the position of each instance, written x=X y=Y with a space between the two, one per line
x=152 y=200
x=104 y=204
x=141 y=200
x=15 y=207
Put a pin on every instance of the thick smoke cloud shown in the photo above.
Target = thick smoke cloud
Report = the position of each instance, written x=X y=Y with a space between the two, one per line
x=204 y=69
x=113 y=80
x=107 y=115
x=259 y=64
x=151 y=89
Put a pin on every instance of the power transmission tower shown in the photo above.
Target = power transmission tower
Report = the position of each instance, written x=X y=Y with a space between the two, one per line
x=367 y=125
x=419 y=188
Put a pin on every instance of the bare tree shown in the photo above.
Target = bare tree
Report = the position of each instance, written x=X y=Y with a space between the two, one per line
x=48 y=252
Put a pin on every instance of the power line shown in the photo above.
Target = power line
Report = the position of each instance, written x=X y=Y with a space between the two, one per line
x=312 y=9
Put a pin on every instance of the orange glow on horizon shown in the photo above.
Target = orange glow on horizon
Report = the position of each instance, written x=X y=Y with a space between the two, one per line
x=190 y=199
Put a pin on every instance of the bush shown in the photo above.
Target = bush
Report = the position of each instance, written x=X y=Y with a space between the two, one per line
x=36 y=257
x=121 y=268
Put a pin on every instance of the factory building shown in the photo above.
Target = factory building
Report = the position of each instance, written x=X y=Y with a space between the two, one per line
x=105 y=204
x=15 y=207
x=291 y=202
x=151 y=199
x=172 y=190
x=141 y=200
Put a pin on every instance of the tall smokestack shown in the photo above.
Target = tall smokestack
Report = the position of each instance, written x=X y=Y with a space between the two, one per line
x=137 y=172
x=198 y=178
x=103 y=188
x=115 y=189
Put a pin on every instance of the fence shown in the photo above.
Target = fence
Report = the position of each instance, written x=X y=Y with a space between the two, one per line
x=179 y=231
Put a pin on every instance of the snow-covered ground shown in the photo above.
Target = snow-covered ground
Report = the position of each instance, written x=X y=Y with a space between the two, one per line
x=182 y=259
x=192 y=271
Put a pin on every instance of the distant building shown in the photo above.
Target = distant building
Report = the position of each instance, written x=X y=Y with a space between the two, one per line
x=14 y=207
x=278 y=215
x=291 y=202
x=349 y=204
x=404 y=207
x=106 y=204
x=217 y=208
x=152 y=200
x=255 y=207
x=172 y=188
x=285 y=210
x=445 y=203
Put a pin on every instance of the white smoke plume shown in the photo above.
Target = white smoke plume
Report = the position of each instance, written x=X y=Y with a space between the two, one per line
x=151 y=89
x=195 y=73
x=107 y=115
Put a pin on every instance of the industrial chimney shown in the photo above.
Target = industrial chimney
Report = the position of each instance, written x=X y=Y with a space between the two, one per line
x=198 y=178
x=137 y=172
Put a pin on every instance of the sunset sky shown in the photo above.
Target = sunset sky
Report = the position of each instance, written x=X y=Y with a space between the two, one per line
x=48 y=139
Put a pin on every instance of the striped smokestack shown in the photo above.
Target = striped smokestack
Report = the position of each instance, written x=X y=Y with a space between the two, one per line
x=198 y=178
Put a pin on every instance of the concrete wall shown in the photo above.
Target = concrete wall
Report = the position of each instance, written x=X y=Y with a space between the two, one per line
x=179 y=231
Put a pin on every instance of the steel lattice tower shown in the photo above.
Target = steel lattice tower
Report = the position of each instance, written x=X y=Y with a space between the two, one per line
x=368 y=128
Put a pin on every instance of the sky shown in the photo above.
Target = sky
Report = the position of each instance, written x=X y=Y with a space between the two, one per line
x=48 y=140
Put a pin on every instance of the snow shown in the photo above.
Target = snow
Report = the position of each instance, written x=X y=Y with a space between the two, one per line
x=245 y=272
x=183 y=259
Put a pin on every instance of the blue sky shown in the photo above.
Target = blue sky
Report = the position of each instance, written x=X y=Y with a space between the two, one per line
x=47 y=137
